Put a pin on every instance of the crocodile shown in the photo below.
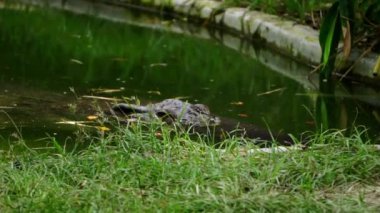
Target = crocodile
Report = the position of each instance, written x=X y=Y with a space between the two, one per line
x=171 y=111
x=199 y=117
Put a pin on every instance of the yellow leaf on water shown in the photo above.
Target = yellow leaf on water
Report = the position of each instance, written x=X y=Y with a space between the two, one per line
x=166 y=23
x=103 y=128
x=154 y=92
x=92 y=117
x=243 y=115
x=237 y=103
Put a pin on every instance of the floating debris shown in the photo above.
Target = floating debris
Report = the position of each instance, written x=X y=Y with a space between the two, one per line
x=167 y=22
x=237 y=103
x=242 y=115
x=159 y=65
x=84 y=124
x=78 y=123
x=103 y=128
x=119 y=59
x=6 y=107
x=271 y=91
x=108 y=90
x=310 y=122
x=76 y=61
x=92 y=117
x=154 y=92
x=101 y=98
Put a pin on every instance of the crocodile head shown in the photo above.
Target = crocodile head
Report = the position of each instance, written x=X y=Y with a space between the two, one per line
x=171 y=111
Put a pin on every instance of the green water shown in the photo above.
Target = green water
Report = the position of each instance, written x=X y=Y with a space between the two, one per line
x=49 y=59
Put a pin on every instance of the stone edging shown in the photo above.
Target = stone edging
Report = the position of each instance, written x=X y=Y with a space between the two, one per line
x=299 y=41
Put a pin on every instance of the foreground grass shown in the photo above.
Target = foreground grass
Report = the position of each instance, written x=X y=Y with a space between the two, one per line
x=135 y=170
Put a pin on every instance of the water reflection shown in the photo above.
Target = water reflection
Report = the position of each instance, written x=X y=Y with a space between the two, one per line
x=337 y=109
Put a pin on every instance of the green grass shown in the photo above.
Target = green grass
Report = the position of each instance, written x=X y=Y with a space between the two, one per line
x=133 y=170
x=294 y=8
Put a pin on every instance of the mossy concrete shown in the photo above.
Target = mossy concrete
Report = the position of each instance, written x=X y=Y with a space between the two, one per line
x=298 y=41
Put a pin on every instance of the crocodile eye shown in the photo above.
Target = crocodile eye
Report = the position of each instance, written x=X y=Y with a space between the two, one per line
x=200 y=108
x=184 y=121
x=161 y=114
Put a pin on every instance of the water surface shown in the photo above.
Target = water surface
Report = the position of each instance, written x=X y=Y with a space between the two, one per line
x=49 y=59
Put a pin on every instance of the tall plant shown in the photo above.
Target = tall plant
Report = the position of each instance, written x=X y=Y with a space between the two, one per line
x=337 y=18
x=341 y=23
x=344 y=20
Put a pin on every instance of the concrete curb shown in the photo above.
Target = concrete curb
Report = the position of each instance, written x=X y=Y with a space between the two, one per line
x=298 y=41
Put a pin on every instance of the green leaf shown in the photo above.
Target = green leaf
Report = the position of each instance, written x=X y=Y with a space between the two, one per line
x=330 y=33
x=324 y=115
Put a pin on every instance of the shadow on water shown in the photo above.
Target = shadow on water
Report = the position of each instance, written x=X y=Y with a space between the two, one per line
x=50 y=59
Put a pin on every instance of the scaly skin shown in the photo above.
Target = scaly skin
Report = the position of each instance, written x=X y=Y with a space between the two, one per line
x=171 y=111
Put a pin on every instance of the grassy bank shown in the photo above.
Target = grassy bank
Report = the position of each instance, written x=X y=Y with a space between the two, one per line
x=134 y=170
x=304 y=11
